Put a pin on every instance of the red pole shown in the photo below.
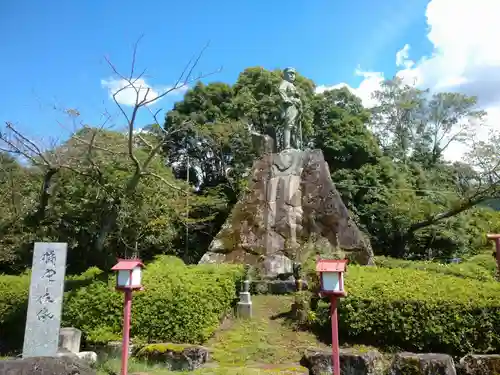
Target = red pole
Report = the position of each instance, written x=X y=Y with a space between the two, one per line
x=497 y=245
x=335 y=336
x=127 y=308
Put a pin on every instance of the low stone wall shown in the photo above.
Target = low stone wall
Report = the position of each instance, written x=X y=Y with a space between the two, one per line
x=354 y=362
x=276 y=287
x=319 y=362
x=45 y=366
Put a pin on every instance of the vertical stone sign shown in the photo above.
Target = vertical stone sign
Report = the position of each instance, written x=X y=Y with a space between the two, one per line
x=43 y=321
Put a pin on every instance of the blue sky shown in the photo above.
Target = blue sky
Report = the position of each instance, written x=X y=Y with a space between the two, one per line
x=53 y=50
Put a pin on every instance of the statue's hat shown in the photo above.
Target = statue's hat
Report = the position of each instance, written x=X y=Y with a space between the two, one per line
x=289 y=69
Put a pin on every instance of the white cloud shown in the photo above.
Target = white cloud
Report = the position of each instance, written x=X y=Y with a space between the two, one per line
x=371 y=82
x=140 y=90
x=402 y=57
x=466 y=58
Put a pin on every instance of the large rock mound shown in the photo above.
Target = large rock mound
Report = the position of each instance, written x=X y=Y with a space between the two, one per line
x=291 y=202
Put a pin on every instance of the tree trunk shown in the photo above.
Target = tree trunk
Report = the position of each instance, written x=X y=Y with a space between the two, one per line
x=445 y=215
x=41 y=211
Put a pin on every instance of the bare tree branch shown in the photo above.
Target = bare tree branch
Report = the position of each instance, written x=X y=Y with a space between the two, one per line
x=84 y=161
x=134 y=55
x=141 y=100
x=162 y=179
x=141 y=138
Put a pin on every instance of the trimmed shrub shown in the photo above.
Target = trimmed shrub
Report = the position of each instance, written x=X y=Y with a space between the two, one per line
x=182 y=304
x=416 y=310
x=14 y=292
x=480 y=267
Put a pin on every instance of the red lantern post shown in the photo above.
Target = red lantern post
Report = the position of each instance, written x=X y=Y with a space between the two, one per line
x=496 y=238
x=332 y=284
x=128 y=279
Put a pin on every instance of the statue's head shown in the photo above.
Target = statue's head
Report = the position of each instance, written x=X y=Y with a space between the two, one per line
x=289 y=74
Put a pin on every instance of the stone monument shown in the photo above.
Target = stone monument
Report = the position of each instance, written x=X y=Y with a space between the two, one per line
x=43 y=320
x=291 y=202
x=244 y=306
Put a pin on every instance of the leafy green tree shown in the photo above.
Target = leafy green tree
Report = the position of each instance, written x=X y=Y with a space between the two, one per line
x=414 y=129
x=169 y=188
x=88 y=191
x=396 y=119
x=207 y=138
x=211 y=126
x=414 y=124
x=257 y=100
x=340 y=130
x=210 y=139
x=106 y=193
x=446 y=118
x=19 y=187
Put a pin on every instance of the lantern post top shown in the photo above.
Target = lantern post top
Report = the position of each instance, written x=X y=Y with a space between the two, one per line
x=331 y=265
x=127 y=265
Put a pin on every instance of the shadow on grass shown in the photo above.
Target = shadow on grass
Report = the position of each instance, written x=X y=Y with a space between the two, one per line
x=287 y=316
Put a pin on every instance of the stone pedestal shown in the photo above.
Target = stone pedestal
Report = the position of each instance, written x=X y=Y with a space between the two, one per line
x=244 y=307
x=69 y=339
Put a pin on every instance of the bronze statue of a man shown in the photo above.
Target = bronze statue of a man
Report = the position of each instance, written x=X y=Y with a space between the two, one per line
x=291 y=111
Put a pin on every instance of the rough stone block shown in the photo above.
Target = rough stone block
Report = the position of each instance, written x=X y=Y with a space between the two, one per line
x=70 y=339
x=277 y=287
x=112 y=349
x=45 y=366
x=175 y=357
x=89 y=357
x=285 y=286
x=66 y=354
x=422 y=364
x=291 y=202
x=485 y=364
x=352 y=362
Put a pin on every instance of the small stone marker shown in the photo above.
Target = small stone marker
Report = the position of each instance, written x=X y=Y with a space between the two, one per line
x=43 y=321
x=244 y=307
x=70 y=339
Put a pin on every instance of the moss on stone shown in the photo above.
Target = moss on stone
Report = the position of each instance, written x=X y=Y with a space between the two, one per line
x=161 y=348
x=409 y=366
x=361 y=349
x=286 y=370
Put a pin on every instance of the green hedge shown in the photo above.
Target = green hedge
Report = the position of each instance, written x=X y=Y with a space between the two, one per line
x=14 y=292
x=416 y=310
x=179 y=304
x=13 y=296
x=481 y=267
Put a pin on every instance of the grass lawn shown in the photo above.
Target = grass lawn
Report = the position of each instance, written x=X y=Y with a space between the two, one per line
x=266 y=338
x=137 y=368
x=263 y=344
x=268 y=344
